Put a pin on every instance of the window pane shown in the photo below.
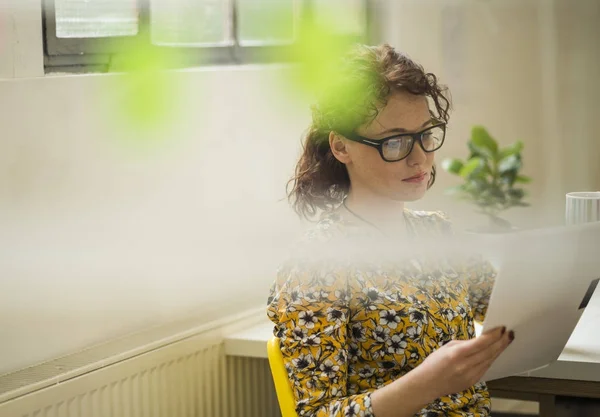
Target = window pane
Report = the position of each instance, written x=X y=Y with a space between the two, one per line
x=191 y=22
x=265 y=21
x=343 y=16
x=95 y=18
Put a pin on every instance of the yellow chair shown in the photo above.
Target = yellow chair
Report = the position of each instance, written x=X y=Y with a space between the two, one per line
x=285 y=396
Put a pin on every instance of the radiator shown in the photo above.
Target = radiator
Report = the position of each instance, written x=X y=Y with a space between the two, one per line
x=187 y=378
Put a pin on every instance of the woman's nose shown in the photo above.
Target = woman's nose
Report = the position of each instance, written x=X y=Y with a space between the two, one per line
x=417 y=154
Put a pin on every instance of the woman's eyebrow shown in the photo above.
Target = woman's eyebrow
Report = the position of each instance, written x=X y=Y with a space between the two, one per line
x=401 y=129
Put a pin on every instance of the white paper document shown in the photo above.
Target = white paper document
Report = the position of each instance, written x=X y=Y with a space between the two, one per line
x=545 y=279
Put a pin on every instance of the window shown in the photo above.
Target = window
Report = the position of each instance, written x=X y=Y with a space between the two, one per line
x=97 y=35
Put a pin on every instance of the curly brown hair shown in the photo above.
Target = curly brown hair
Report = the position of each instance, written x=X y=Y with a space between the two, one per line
x=364 y=80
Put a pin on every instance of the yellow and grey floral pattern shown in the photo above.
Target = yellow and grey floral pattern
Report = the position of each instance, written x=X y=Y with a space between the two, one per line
x=347 y=329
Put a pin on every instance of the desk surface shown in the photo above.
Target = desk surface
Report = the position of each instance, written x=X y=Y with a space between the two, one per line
x=580 y=359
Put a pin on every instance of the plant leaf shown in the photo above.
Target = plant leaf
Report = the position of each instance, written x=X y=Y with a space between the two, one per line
x=509 y=177
x=523 y=179
x=513 y=149
x=510 y=163
x=483 y=142
x=474 y=151
x=516 y=193
x=470 y=167
x=452 y=165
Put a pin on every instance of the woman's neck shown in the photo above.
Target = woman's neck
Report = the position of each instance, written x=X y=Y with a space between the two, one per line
x=384 y=213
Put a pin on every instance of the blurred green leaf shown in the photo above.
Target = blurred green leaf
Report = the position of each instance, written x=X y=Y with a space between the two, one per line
x=513 y=149
x=523 y=179
x=516 y=193
x=477 y=188
x=474 y=151
x=509 y=177
x=510 y=163
x=497 y=193
x=470 y=168
x=452 y=165
x=483 y=142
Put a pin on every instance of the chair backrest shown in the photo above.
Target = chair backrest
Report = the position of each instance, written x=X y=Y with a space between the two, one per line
x=285 y=396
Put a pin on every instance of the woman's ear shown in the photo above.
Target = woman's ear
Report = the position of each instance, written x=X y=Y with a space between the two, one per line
x=339 y=148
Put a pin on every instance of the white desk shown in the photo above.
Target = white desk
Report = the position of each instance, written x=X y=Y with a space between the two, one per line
x=559 y=388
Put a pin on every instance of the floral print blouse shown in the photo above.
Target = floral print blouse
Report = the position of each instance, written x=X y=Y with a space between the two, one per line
x=348 y=329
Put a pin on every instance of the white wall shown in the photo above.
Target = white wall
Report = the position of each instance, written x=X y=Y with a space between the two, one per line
x=21 y=51
x=525 y=69
x=101 y=235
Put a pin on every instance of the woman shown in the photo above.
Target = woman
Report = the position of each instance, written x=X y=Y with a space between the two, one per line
x=368 y=340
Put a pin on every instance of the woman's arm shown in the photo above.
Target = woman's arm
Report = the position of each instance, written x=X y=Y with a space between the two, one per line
x=450 y=369
x=310 y=308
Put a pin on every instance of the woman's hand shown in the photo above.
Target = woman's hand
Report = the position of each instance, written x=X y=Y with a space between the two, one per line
x=460 y=364
x=452 y=368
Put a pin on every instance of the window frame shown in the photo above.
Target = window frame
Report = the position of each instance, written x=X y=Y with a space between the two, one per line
x=84 y=55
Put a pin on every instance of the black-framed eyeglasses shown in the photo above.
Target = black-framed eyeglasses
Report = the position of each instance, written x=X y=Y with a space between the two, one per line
x=398 y=147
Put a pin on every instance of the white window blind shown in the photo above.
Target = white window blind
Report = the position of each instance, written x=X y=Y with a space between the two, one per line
x=191 y=22
x=95 y=18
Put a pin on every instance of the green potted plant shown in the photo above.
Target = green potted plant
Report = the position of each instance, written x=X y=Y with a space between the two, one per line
x=491 y=178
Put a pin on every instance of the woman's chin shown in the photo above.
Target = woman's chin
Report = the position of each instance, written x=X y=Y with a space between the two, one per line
x=409 y=196
x=411 y=193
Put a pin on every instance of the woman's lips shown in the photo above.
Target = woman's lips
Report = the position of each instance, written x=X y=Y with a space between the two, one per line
x=417 y=178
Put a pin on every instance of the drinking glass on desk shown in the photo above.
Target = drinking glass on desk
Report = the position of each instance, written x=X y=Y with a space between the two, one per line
x=582 y=207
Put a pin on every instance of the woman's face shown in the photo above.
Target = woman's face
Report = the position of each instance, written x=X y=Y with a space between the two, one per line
x=404 y=180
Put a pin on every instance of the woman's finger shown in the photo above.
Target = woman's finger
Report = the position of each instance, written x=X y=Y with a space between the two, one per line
x=482 y=343
x=483 y=366
x=491 y=352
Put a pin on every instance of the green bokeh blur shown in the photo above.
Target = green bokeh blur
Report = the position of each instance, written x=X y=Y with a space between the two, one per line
x=148 y=96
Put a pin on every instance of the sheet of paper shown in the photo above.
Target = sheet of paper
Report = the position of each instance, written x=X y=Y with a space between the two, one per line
x=543 y=276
